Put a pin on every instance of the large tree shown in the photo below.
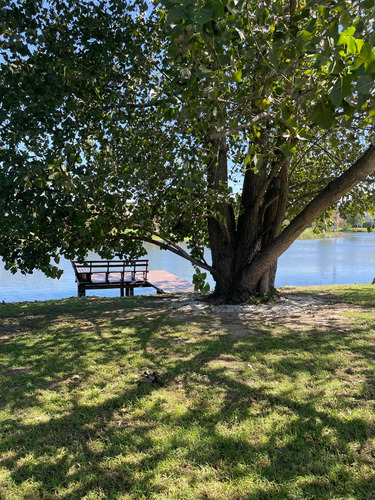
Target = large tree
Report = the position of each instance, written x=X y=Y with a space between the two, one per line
x=232 y=125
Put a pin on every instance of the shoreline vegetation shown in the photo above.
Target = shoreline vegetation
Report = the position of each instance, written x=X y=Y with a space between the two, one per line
x=309 y=233
x=167 y=397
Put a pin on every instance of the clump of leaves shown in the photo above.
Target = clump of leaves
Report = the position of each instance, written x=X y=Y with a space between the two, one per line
x=199 y=281
x=266 y=298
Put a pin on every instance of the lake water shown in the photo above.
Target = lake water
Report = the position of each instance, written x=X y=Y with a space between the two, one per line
x=346 y=260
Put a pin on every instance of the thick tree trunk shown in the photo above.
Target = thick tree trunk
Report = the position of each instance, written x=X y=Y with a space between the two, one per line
x=238 y=289
x=233 y=246
x=244 y=255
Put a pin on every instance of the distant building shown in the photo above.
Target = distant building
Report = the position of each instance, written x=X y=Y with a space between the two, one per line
x=339 y=222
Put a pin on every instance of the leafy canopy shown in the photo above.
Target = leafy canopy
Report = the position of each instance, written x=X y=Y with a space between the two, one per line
x=111 y=112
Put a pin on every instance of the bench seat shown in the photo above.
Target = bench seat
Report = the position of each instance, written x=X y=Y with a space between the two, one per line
x=101 y=274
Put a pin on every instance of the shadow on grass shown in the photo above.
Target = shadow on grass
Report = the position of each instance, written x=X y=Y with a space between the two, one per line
x=205 y=427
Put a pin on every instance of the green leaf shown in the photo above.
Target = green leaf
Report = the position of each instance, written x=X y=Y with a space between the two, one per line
x=342 y=89
x=351 y=45
x=285 y=111
x=311 y=25
x=359 y=44
x=238 y=76
x=175 y=15
x=333 y=29
x=258 y=161
x=348 y=32
x=304 y=36
x=346 y=38
x=203 y=16
x=323 y=11
x=199 y=281
x=365 y=84
x=287 y=149
x=322 y=115
x=337 y=67
x=218 y=10
x=366 y=57
x=349 y=111
x=275 y=55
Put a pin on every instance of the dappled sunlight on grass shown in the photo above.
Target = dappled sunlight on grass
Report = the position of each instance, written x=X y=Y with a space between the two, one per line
x=277 y=413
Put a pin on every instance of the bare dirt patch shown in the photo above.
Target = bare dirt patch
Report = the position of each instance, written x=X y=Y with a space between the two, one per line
x=292 y=310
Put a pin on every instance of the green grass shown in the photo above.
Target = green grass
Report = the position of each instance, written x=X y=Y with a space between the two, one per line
x=284 y=410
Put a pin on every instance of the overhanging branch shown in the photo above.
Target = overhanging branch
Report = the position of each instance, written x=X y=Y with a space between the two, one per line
x=331 y=193
x=165 y=244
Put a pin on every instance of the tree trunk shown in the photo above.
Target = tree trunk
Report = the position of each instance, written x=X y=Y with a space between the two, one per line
x=244 y=254
x=233 y=246
x=230 y=289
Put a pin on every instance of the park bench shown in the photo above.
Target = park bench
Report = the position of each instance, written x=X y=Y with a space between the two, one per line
x=101 y=274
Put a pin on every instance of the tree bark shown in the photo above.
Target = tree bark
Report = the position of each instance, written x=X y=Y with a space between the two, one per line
x=221 y=232
x=233 y=246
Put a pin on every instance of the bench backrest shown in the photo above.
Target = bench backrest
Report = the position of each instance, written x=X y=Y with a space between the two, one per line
x=137 y=269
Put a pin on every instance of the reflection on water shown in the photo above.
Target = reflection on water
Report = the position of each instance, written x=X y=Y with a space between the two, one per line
x=306 y=262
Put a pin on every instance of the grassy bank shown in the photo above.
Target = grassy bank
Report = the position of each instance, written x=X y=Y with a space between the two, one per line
x=250 y=406
x=309 y=234
x=358 y=230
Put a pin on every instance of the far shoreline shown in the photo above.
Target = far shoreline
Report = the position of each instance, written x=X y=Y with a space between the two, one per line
x=309 y=234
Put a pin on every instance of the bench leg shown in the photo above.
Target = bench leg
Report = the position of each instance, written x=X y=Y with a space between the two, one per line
x=81 y=291
x=122 y=291
x=127 y=292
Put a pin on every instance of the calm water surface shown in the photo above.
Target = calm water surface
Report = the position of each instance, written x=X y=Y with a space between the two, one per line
x=307 y=262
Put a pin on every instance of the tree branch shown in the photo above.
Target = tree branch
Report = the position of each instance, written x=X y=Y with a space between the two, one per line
x=304 y=153
x=307 y=195
x=262 y=116
x=147 y=104
x=331 y=193
x=166 y=244
x=274 y=171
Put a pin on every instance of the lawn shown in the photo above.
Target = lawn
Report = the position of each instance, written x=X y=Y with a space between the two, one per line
x=270 y=401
